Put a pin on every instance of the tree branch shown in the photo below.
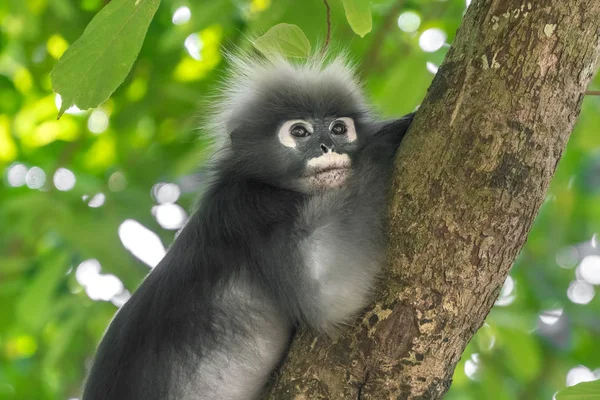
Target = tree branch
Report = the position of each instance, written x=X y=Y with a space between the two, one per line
x=372 y=56
x=328 y=36
x=470 y=177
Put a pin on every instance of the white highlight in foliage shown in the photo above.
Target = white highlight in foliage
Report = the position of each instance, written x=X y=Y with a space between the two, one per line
x=64 y=179
x=87 y=271
x=567 y=257
x=98 y=286
x=580 y=292
x=117 y=182
x=170 y=216
x=590 y=269
x=16 y=174
x=432 y=40
x=193 y=44
x=120 y=299
x=141 y=242
x=409 y=21
x=97 y=200
x=579 y=374
x=181 y=15
x=551 y=317
x=166 y=192
x=431 y=67
x=98 y=121
x=104 y=287
x=472 y=367
x=35 y=178
x=71 y=110
x=507 y=295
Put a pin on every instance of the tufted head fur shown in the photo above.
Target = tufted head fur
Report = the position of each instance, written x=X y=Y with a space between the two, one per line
x=264 y=99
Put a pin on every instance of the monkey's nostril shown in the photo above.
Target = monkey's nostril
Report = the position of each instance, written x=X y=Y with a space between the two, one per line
x=324 y=148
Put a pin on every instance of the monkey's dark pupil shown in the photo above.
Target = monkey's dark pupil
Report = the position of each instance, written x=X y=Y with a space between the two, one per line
x=339 y=129
x=299 y=131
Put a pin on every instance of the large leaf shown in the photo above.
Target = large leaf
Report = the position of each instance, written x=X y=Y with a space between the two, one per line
x=96 y=64
x=358 y=14
x=581 y=391
x=284 y=39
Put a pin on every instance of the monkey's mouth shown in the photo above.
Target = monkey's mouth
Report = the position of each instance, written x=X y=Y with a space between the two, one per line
x=327 y=177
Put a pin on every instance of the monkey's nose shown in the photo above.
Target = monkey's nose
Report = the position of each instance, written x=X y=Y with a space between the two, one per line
x=326 y=149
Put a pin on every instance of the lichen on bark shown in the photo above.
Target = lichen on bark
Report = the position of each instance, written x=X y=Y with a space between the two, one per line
x=469 y=179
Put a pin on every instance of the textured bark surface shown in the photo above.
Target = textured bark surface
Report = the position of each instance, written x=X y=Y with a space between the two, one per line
x=470 y=178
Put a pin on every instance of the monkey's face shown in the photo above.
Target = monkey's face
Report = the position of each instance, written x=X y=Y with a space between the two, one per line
x=323 y=150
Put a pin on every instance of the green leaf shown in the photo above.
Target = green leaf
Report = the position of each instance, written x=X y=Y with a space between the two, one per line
x=96 y=64
x=35 y=305
x=522 y=353
x=358 y=14
x=581 y=391
x=284 y=39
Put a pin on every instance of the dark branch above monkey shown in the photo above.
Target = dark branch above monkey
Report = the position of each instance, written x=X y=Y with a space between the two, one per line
x=291 y=230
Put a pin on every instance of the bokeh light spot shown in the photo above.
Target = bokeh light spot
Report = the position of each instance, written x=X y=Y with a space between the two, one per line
x=35 y=178
x=141 y=242
x=507 y=295
x=567 y=257
x=87 y=271
x=64 y=179
x=472 y=367
x=98 y=121
x=97 y=200
x=170 y=216
x=182 y=15
x=71 y=110
x=193 y=44
x=166 y=192
x=432 y=40
x=409 y=21
x=551 y=317
x=579 y=374
x=16 y=174
x=117 y=182
x=580 y=292
x=431 y=67
x=590 y=269
x=56 y=46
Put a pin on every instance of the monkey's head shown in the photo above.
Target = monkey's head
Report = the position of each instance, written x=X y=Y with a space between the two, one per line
x=298 y=126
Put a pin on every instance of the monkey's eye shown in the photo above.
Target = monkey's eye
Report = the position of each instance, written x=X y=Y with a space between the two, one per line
x=339 y=128
x=299 y=131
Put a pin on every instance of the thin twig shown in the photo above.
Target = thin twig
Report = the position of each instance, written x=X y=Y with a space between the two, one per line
x=328 y=37
x=372 y=55
x=592 y=93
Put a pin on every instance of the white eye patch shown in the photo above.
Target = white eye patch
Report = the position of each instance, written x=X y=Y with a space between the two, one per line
x=285 y=135
x=350 y=128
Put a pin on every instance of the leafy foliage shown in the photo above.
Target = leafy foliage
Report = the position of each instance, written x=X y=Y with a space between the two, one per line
x=284 y=39
x=581 y=391
x=148 y=132
x=98 y=62
x=358 y=13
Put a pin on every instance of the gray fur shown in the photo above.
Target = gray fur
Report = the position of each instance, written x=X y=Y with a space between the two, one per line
x=291 y=230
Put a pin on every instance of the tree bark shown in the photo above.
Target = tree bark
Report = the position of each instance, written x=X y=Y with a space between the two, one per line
x=470 y=177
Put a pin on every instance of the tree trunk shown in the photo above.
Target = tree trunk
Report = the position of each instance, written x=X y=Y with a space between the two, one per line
x=470 y=177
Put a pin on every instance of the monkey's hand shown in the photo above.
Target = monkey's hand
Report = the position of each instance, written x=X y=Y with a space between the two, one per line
x=381 y=147
x=393 y=131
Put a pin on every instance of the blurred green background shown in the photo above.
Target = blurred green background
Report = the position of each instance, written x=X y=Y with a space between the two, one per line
x=88 y=203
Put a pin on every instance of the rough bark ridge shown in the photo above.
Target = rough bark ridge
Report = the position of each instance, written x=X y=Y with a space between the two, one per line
x=469 y=180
